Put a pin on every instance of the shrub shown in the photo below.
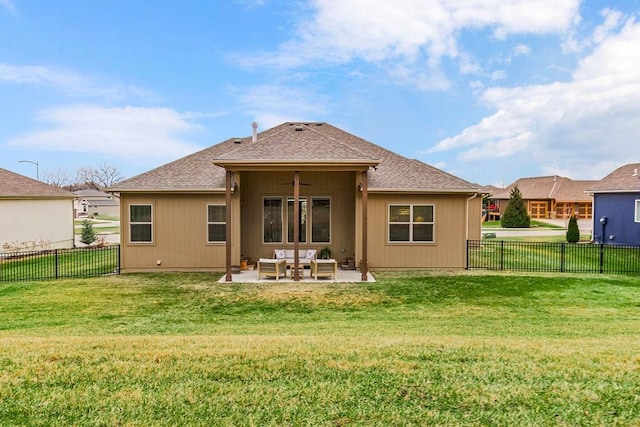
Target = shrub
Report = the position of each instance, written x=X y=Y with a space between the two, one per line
x=88 y=235
x=515 y=215
x=573 y=232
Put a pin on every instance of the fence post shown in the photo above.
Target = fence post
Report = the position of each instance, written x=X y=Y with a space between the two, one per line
x=562 y=258
x=601 y=257
x=55 y=260
x=501 y=255
x=118 y=260
x=467 y=254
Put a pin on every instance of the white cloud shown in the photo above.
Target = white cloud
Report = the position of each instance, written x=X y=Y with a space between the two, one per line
x=521 y=49
x=581 y=127
x=125 y=133
x=413 y=35
x=271 y=105
x=68 y=82
x=498 y=75
x=8 y=5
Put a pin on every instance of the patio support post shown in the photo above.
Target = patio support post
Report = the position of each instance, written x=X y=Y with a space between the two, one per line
x=364 y=266
x=228 y=230
x=296 y=225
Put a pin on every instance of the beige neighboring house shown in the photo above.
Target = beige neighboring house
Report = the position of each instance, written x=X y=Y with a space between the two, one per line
x=34 y=215
x=91 y=202
x=296 y=186
x=546 y=197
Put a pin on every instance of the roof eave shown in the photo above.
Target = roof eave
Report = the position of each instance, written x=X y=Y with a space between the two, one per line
x=167 y=190
x=28 y=197
x=611 y=191
x=296 y=164
x=426 y=190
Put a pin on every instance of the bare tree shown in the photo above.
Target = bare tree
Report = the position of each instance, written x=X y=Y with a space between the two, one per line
x=58 y=177
x=99 y=178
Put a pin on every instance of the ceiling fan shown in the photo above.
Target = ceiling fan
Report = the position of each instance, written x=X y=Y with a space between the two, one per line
x=292 y=183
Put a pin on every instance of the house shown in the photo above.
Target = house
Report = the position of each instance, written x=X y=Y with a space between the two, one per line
x=34 y=215
x=90 y=202
x=296 y=186
x=616 y=206
x=546 y=197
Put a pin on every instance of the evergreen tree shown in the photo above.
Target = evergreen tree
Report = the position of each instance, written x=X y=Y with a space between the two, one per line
x=515 y=215
x=88 y=235
x=573 y=232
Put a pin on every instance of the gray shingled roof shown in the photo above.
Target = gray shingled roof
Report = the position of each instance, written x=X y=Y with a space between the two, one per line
x=624 y=179
x=14 y=186
x=320 y=142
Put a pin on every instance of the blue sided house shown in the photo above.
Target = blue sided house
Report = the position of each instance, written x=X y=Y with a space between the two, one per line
x=616 y=207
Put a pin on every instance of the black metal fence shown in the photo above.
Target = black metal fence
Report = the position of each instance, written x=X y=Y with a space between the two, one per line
x=59 y=263
x=552 y=257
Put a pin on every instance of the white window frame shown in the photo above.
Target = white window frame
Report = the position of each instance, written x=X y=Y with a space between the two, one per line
x=282 y=220
x=150 y=223
x=636 y=216
x=310 y=221
x=411 y=223
x=216 y=223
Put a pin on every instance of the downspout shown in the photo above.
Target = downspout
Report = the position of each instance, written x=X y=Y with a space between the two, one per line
x=466 y=239
x=466 y=215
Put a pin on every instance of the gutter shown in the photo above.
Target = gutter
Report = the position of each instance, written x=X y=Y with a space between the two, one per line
x=424 y=190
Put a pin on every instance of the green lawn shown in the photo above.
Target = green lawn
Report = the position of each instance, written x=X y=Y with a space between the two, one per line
x=411 y=349
x=534 y=225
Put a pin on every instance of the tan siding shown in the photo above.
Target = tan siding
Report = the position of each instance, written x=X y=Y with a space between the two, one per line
x=339 y=186
x=179 y=234
x=180 y=227
x=448 y=250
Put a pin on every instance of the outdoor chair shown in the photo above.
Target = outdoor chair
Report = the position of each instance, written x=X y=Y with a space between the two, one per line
x=272 y=267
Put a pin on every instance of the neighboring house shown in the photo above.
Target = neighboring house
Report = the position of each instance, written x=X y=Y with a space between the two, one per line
x=34 y=215
x=616 y=211
x=295 y=186
x=94 y=202
x=546 y=197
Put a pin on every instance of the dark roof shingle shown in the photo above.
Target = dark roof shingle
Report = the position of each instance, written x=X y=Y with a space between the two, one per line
x=624 y=179
x=316 y=141
x=14 y=185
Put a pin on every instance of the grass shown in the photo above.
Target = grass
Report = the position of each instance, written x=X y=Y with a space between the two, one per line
x=551 y=256
x=542 y=239
x=62 y=263
x=534 y=224
x=411 y=349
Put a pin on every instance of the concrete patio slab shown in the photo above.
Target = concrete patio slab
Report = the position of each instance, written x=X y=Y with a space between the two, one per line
x=343 y=276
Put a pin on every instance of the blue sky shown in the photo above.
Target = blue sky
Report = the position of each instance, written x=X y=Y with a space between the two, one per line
x=488 y=90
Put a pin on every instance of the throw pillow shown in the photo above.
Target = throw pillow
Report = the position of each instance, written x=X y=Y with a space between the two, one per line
x=311 y=254
x=279 y=253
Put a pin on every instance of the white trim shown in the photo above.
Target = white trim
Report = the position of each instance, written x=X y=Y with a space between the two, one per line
x=282 y=217
x=151 y=222
x=636 y=216
x=216 y=222
x=410 y=223
x=310 y=211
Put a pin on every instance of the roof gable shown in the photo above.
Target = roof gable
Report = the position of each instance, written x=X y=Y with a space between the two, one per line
x=19 y=186
x=296 y=142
